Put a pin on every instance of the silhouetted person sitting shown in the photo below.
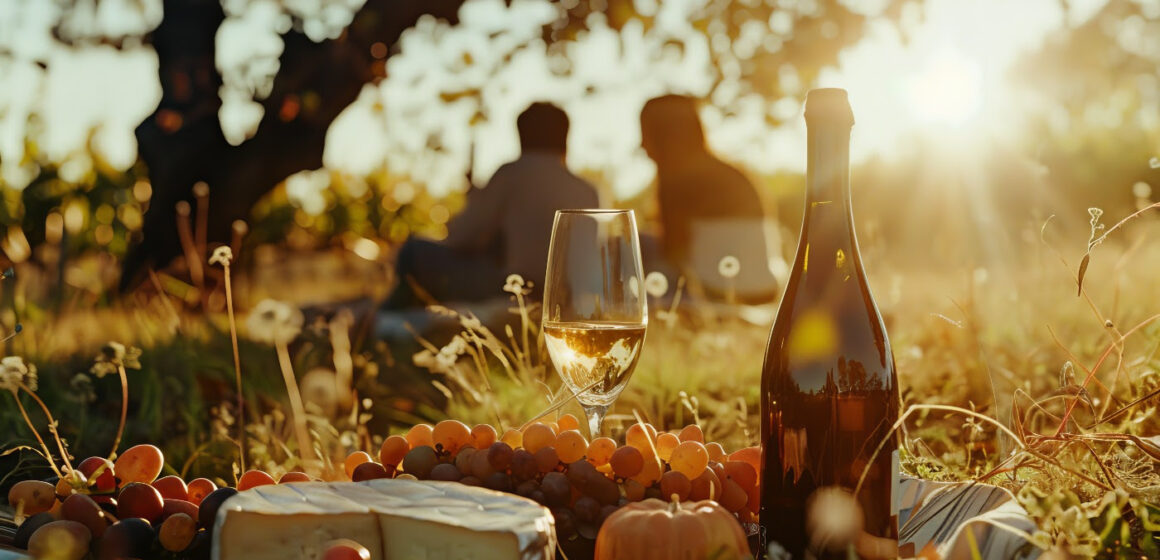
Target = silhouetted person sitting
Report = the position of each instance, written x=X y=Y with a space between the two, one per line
x=708 y=209
x=505 y=228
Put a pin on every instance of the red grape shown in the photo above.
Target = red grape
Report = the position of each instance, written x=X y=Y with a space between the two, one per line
x=538 y=436
x=547 y=460
x=294 y=476
x=393 y=450
x=690 y=458
x=60 y=540
x=587 y=509
x=674 y=482
x=446 y=471
x=482 y=436
x=600 y=450
x=140 y=500
x=177 y=532
x=173 y=507
x=346 y=549
x=627 y=462
x=557 y=490
x=140 y=463
x=420 y=435
x=253 y=479
x=463 y=459
x=37 y=496
x=571 y=446
x=106 y=481
x=500 y=456
x=451 y=435
x=199 y=488
x=692 y=432
x=369 y=471
x=172 y=487
x=524 y=465
x=82 y=509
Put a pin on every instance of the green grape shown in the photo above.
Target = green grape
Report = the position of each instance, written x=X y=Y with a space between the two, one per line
x=419 y=461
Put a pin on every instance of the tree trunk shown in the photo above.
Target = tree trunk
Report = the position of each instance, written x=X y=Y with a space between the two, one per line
x=182 y=142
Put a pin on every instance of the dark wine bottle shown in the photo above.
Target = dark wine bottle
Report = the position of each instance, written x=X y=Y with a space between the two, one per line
x=829 y=393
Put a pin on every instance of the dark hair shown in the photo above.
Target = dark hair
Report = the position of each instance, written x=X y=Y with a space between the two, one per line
x=673 y=119
x=543 y=127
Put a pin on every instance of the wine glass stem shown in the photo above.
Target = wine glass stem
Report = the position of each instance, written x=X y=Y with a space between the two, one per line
x=595 y=418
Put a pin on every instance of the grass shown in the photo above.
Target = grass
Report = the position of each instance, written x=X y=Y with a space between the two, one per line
x=1009 y=377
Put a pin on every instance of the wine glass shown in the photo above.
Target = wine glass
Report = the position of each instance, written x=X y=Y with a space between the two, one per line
x=595 y=309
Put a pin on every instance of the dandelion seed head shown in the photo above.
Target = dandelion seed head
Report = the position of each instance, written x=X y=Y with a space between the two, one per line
x=1142 y=190
x=516 y=285
x=274 y=322
x=222 y=255
x=14 y=371
x=729 y=266
x=114 y=355
x=656 y=284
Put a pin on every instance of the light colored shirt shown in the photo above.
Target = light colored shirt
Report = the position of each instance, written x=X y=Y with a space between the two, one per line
x=517 y=209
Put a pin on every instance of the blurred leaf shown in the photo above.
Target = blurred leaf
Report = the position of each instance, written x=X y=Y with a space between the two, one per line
x=1083 y=265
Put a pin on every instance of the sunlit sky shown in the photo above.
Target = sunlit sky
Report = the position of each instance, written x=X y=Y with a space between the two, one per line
x=946 y=82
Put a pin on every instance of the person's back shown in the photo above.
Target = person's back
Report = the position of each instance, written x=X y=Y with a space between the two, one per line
x=536 y=185
x=701 y=188
x=697 y=192
x=506 y=226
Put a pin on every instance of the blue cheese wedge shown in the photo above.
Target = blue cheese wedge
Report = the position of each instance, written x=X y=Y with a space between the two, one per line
x=393 y=519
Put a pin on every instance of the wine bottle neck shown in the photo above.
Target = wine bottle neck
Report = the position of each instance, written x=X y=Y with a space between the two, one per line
x=828 y=166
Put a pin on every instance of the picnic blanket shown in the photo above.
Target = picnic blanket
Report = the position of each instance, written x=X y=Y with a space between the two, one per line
x=962 y=520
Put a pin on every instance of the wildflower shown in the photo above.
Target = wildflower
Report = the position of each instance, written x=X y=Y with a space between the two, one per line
x=729 y=266
x=516 y=285
x=274 y=322
x=450 y=353
x=471 y=322
x=82 y=385
x=14 y=371
x=424 y=359
x=656 y=284
x=222 y=255
x=114 y=356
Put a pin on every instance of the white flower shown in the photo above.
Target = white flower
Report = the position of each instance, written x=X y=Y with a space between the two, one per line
x=656 y=284
x=115 y=355
x=450 y=353
x=470 y=322
x=424 y=359
x=729 y=267
x=274 y=322
x=14 y=371
x=516 y=285
x=222 y=255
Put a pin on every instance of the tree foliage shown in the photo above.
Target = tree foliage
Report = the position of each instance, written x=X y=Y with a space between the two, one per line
x=771 y=49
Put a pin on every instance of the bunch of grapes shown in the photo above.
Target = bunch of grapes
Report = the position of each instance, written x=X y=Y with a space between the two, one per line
x=581 y=481
x=123 y=510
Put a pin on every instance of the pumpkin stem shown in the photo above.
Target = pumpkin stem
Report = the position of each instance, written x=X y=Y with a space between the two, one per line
x=675 y=505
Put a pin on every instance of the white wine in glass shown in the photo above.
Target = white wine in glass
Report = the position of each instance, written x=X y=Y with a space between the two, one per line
x=595 y=310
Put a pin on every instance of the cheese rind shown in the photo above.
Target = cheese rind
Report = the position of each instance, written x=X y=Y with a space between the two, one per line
x=394 y=519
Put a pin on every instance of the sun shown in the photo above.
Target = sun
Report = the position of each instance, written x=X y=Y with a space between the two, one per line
x=947 y=90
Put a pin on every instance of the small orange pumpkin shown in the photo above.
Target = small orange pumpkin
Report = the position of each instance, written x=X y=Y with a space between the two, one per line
x=671 y=531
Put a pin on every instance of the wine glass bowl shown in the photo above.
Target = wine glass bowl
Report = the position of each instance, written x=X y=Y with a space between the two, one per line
x=594 y=311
